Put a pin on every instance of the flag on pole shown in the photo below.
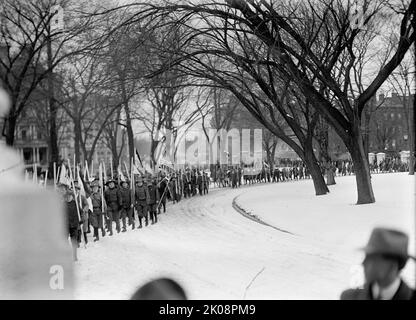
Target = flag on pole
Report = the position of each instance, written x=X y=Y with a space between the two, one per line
x=163 y=161
x=136 y=170
x=63 y=177
x=77 y=204
x=87 y=176
x=160 y=150
x=148 y=168
x=81 y=185
x=120 y=174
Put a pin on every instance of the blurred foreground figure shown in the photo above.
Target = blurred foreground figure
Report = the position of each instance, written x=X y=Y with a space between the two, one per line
x=73 y=222
x=35 y=259
x=385 y=256
x=160 y=289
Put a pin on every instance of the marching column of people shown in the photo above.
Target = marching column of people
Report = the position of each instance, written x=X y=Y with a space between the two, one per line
x=117 y=203
x=101 y=205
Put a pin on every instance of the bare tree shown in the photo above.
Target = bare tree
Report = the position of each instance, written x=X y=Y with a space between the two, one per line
x=402 y=81
x=32 y=48
x=169 y=97
x=312 y=44
x=114 y=136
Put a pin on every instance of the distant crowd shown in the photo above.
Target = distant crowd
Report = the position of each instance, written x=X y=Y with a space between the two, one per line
x=235 y=176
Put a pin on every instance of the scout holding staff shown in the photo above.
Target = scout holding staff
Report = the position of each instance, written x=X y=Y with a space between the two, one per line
x=127 y=205
x=98 y=204
x=142 y=198
x=153 y=200
x=114 y=203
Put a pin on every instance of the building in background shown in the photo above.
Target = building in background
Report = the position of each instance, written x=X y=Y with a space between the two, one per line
x=387 y=129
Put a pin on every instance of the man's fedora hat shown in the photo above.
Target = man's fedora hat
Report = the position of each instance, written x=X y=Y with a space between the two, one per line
x=388 y=242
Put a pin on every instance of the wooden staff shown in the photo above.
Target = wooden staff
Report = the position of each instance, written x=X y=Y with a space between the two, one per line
x=46 y=178
x=125 y=167
x=85 y=170
x=58 y=174
x=54 y=175
x=71 y=178
x=111 y=165
x=132 y=185
x=35 y=176
x=105 y=172
x=164 y=191
x=92 y=166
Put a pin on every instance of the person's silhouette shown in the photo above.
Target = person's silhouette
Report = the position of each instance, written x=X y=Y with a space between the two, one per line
x=160 y=289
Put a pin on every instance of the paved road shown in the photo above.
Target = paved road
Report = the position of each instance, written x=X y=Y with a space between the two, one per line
x=215 y=253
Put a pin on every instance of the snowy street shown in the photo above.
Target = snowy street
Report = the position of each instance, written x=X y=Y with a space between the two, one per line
x=215 y=252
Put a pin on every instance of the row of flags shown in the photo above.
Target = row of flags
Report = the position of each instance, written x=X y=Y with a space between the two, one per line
x=138 y=167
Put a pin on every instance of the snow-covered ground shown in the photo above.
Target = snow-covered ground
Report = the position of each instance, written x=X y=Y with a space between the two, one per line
x=215 y=252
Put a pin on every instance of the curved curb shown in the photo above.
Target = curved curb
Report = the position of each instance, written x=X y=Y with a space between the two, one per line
x=253 y=217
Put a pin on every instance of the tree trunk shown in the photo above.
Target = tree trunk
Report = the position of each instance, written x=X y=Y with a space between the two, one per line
x=130 y=135
x=330 y=177
x=411 y=133
x=116 y=158
x=77 y=140
x=412 y=138
x=323 y=137
x=366 y=125
x=316 y=174
x=412 y=145
x=153 y=147
x=53 y=135
x=361 y=167
x=10 y=130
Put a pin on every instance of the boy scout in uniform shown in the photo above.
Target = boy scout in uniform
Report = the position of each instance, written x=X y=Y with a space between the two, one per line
x=141 y=199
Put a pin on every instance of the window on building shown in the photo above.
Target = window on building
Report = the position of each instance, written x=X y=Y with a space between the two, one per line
x=399 y=116
x=392 y=116
x=385 y=116
x=24 y=134
x=39 y=135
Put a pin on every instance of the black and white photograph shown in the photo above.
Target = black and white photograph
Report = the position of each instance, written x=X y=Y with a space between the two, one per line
x=227 y=150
